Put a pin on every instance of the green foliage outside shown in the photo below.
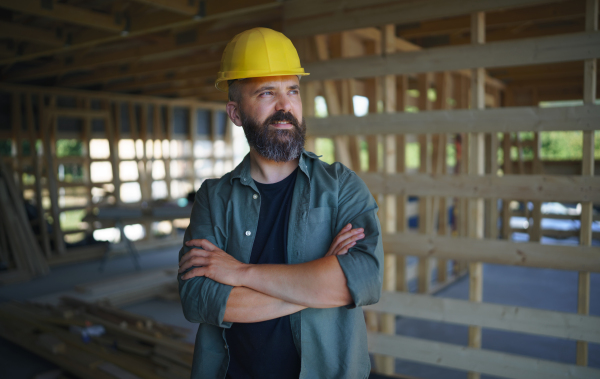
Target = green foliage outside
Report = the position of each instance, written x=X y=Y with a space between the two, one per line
x=70 y=220
x=69 y=148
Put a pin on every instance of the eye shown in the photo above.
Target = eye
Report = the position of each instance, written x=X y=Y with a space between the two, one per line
x=266 y=93
x=294 y=92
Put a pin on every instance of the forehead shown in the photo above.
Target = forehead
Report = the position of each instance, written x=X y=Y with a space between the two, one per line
x=252 y=84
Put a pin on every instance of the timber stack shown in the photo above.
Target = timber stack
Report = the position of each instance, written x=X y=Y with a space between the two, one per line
x=21 y=257
x=97 y=341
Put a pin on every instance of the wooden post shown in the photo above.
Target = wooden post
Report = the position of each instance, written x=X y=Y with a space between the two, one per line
x=401 y=200
x=37 y=170
x=425 y=202
x=507 y=168
x=49 y=138
x=589 y=97
x=309 y=93
x=476 y=167
x=17 y=127
x=113 y=133
x=443 y=93
x=535 y=230
x=388 y=321
x=167 y=158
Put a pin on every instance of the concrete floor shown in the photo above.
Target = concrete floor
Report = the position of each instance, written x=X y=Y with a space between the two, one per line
x=535 y=288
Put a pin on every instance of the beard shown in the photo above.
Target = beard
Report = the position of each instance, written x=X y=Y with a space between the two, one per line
x=279 y=145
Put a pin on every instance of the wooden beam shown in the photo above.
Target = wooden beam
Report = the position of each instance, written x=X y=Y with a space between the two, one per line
x=494 y=316
x=484 y=361
x=503 y=18
x=86 y=62
x=519 y=187
x=135 y=70
x=163 y=79
x=67 y=13
x=311 y=17
x=504 y=120
x=21 y=32
x=185 y=7
x=552 y=49
x=525 y=254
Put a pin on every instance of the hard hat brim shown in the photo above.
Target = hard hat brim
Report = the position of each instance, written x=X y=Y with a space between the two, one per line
x=222 y=85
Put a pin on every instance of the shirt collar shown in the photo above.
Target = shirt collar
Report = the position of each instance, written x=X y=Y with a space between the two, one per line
x=242 y=171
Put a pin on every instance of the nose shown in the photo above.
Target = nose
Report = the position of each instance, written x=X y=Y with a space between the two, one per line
x=283 y=103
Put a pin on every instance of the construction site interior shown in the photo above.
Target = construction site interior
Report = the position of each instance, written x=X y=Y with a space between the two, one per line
x=473 y=123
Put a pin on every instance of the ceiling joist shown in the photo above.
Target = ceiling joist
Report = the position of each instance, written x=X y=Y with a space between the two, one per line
x=67 y=13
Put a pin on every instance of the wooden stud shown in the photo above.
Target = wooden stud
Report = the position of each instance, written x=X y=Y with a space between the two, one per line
x=49 y=138
x=585 y=239
x=45 y=239
x=476 y=157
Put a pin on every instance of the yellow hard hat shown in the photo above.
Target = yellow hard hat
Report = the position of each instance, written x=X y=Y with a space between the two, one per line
x=255 y=53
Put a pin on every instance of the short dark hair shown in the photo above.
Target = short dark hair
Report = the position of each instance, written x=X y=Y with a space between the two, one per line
x=234 y=91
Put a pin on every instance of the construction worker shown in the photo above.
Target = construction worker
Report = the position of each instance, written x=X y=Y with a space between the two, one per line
x=281 y=252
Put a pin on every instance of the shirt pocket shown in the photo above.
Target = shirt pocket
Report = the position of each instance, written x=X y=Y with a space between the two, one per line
x=321 y=222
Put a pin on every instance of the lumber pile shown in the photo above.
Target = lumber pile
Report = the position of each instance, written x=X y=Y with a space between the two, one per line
x=91 y=340
x=20 y=253
x=119 y=291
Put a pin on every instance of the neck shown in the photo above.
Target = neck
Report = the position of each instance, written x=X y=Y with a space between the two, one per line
x=267 y=171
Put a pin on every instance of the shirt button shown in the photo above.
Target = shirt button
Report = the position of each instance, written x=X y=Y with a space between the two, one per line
x=255 y=196
x=225 y=347
x=248 y=233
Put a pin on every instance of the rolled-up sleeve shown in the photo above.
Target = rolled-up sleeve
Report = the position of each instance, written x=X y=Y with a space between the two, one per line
x=363 y=264
x=203 y=300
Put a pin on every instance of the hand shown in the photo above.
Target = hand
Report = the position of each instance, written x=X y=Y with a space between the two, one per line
x=211 y=262
x=344 y=240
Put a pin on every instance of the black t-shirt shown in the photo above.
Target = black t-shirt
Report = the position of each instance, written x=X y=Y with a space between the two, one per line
x=265 y=350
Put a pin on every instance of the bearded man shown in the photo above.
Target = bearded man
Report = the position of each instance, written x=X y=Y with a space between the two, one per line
x=282 y=252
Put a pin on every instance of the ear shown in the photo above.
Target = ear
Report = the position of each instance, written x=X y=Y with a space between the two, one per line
x=233 y=112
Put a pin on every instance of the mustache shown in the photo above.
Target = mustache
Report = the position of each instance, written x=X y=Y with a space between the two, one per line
x=282 y=116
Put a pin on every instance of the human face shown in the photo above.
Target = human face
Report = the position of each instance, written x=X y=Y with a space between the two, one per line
x=268 y=111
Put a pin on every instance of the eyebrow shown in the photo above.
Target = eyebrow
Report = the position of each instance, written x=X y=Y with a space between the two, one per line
x=268 y=88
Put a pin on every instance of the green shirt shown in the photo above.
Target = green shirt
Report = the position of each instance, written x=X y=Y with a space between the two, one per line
x=332 y=343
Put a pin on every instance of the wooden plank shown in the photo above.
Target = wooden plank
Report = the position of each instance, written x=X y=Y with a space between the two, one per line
x=585 y=239
x=551 y=49
x=49 y=141
x=526 y=254
x=343 y=15
x=494 y=316
x=66 y=13
x=504 y=120
x=519 y=187
x=112 y=128
x=184 y=7
x=388 y=321
x=476 y=148
x=33 y=137
x=482 y=361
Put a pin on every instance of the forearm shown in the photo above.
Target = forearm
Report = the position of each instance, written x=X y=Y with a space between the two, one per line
x=317 y=284
x=247 y=305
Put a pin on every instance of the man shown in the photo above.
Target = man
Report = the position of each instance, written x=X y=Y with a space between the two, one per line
x=271 y=268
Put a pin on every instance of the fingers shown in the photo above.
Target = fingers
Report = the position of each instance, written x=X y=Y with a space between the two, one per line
x=194 y=261
x=191 y=254
x=344 y=246
x=345 y=235
x=203 y=243
x=198 y=271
